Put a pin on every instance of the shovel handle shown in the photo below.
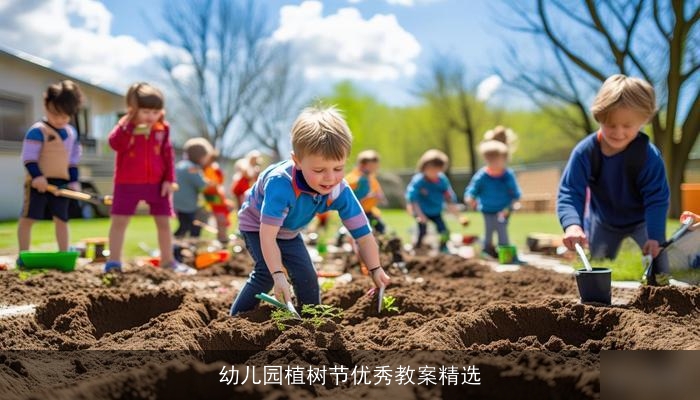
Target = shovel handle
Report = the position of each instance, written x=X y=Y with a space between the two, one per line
x=269 y=299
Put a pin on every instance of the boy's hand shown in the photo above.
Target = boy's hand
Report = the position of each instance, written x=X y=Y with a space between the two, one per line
x=40 y=183
x=470 y=202
x=694 y=217
x=380 y=278
x=420 y=219
x=166 y=188
x=282 y=291
x=651 y=247
x=572 y=235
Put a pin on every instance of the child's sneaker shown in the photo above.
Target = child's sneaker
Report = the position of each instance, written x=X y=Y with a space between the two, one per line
x=19 y=263
x=180 y=268
x=112 y=267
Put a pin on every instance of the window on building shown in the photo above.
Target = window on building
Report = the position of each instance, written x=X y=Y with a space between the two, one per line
x=13 y=118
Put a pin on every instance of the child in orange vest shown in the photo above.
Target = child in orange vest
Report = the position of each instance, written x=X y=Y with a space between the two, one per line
x=216 y=200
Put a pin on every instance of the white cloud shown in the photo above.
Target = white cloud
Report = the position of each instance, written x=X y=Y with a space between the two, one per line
x=405 y=3
x=345 y=45
x=488 y=87
x=75 y=36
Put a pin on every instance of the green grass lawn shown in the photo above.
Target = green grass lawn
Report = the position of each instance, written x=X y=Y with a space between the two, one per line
x=142 y=230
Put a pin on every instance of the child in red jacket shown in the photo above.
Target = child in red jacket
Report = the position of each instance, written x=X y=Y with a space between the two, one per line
x=144 y=170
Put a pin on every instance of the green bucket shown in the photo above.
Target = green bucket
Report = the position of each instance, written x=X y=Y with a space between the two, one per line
x=61 y=260
x=507 y=254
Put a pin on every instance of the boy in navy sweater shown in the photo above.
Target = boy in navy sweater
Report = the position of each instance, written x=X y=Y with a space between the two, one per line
x=620 y=172
x=288 y=195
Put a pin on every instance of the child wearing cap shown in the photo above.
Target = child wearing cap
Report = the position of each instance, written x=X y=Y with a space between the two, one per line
x=493 y=189
x=427 y=193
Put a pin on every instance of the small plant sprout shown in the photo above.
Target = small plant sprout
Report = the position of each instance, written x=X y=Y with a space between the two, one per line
x=281 y=317
x=388 y=304
x=320 y=314
x=109 y=280
x=327 y=285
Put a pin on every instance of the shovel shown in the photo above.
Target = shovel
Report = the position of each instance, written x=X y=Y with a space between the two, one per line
x=269 y=299
x=75 y=195
x=648 y=261
x=381 y=299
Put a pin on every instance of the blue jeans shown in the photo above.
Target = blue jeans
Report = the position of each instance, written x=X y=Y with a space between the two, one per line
x=604 y=241
x=296 y=260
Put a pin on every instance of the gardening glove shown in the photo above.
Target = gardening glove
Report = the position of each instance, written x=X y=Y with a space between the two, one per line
x=40 y=183
x=282 y=291
x=380 y=278
x=572 y=235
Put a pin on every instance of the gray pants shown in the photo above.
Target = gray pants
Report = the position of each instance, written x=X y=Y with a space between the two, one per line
x=604 y=241
x=492 y=225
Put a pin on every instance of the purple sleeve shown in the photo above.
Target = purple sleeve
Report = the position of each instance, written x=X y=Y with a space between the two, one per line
x=76 y=151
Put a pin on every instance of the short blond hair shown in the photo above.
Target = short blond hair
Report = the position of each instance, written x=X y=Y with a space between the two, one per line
x=433 y=157
x=620 y=91
x=321 y=131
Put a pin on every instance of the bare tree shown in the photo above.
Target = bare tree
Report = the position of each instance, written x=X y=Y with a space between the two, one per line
x=223 y=59
x=658 y=40
x=280 y=98
x=451 y=97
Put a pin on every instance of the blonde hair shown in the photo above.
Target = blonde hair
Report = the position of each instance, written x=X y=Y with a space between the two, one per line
x=143 y=95
x=433 y=157
x=489 y=147
x=321 y=131
x=367 y=156
x=500 y=140
x=620 y=91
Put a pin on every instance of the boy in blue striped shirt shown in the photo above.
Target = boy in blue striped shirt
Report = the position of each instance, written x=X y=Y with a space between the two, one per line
x=287 y=196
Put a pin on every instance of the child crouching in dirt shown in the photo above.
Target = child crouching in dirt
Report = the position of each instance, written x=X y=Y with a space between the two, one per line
x=286 y=197
x=427 y=193
x=144 y=170
x=623 y=173
x=493 y=189
x=190 y=178
x=51 y=152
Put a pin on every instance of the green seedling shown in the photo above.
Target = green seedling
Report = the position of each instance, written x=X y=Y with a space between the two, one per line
x=327 y=285
x=320 y=314
x=388 y=304
x=26 y=274
x=109 y=280
x=316 y=315
x=281 y=317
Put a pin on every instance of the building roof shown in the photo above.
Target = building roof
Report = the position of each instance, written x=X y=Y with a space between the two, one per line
x=44 y=64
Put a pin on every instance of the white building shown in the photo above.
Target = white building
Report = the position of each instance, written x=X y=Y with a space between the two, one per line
x=23 y=80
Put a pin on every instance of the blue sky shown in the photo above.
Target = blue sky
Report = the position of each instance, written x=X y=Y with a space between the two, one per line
x=462 y=28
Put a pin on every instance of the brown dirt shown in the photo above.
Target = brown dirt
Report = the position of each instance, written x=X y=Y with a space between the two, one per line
x=524 y=329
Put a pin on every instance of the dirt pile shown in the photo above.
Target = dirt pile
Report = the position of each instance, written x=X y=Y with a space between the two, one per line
x=525 y=330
